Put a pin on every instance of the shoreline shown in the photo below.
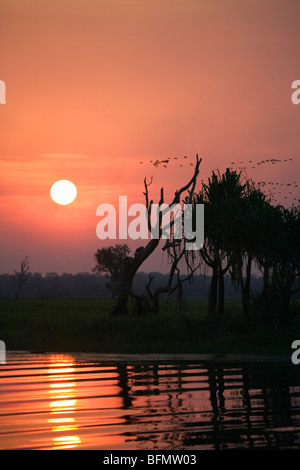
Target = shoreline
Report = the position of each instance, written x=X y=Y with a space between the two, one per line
x=158 y=357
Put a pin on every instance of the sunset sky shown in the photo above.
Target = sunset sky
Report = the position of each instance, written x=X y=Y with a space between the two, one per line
x=95 y=87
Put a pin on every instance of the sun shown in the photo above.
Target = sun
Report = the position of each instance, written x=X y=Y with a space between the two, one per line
x=63 y=192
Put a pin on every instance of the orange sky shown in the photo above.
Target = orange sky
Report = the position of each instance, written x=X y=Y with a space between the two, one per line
x=95 y=87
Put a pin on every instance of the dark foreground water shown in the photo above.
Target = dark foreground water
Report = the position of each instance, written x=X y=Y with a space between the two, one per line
x=66 y=401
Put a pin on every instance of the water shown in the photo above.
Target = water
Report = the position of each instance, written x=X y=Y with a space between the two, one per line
x=85 y=401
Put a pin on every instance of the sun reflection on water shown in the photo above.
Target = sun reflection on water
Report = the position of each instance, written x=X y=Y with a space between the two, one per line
x=63 y=402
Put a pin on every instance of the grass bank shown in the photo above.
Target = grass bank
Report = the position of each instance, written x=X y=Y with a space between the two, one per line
x=85 y=325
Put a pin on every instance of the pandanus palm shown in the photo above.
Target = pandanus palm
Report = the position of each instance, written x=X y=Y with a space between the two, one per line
x=251 y=228
x=267 y=220
x=286 y=260
x=222 y=197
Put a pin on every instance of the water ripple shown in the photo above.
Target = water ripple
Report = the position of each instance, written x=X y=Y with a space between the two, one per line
x=62 y=401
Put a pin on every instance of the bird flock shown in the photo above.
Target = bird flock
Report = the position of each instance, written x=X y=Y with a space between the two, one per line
x=271 y=188
x=277 y=192
x=165 y=162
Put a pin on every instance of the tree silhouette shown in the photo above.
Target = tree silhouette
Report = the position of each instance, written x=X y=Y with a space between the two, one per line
x=246 y=237
x=22 y=275
x=132 y=264
x=222 y=197
x=110 y=260
x=177 y=253
x=286 y=261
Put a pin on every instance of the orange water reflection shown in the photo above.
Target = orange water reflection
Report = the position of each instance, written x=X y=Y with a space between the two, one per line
x=63 y=402
x=60 y=402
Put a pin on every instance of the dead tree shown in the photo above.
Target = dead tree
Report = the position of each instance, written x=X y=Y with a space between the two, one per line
x=22 y=275
x=177 y=253
x=132 y=264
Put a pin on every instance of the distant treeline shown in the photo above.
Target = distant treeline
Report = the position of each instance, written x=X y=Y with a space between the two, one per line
x=86 y=285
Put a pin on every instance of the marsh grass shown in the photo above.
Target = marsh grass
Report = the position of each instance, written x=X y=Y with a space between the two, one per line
x=85 y=325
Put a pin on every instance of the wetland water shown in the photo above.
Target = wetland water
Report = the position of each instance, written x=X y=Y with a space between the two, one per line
x=172 y=402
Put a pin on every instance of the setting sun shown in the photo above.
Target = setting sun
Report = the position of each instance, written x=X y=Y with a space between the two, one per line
x=63 y=192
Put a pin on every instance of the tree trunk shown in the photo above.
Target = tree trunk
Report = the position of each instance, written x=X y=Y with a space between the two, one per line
x=221 y=305
x=245 y=286
x=245 y=303
x=248 y=277
x=180 y=297
x=131 y=265
x=266 y=281
x=121 y=307
x=213 y=292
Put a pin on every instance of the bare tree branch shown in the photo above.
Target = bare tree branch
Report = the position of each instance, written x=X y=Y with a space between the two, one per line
x=22 y=275
x=132 y=264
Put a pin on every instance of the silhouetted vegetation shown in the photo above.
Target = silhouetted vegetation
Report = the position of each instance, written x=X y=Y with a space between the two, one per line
x=243 y=229
x=132 y=264
x=110 y=260
x=23 y=275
